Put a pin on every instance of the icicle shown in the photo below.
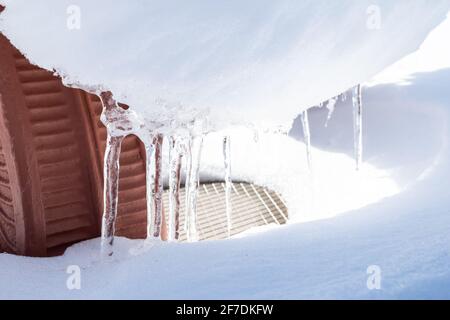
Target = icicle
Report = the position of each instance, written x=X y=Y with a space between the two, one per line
x=113 y=117
x=228 y=182
x=154 y=187
x=149 y=174
x=110 y=193
x=307 y=137
x=344 y=96
x=331 y=106
x=192 y=183
x=174 y=189
x=188 y=166
x=357 y=125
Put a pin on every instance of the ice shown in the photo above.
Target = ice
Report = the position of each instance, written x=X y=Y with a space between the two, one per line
x=307 y=137
x=228 y=182
x=192 y=183
x=156 y=187
x=175 y=157
x=119 y=123
x=330 y=106
x=357 y=125
x=154 y=181
x=111 y=192
x=257 y=62
x=149 y=183
x=123 y=122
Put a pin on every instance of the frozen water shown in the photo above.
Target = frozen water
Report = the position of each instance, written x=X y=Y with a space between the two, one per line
x=228 y=182
x=307 y=136
x=357 y=125
x=111 y=192
x=174 y=188
x=192 y=183
x=156 y=187
x=118 y=127
x=330 y=106
x=149 y=182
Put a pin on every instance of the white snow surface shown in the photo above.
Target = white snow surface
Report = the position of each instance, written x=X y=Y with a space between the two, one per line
x=403 y=231
x=394 y=214
x=433 y=55
x=255 y=62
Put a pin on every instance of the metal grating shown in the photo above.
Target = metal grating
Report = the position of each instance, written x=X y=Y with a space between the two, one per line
x=252 y=205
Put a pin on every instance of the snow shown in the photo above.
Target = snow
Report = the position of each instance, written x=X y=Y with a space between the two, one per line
x=281 y=163
x=406 y=235
x=433 y=55
x=392 y=214
x=233 y=62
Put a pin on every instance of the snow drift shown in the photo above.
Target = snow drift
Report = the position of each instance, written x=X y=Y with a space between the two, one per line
x=254 y=62
x=407 y=157
x=405 y=235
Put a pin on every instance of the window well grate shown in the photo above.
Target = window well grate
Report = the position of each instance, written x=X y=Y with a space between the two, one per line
x=252 y=206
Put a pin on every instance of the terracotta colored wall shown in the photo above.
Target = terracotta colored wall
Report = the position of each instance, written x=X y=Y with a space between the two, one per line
x=51 y=156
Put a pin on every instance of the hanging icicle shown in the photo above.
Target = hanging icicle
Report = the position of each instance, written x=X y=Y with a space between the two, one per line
x=188 y=167
x=228 y=182
x=331 y=105
x=155 y=185
x=357 y=125
x=110 y=117
x=110 y=193
x=192 y=182
x=174 y=189
x=307 y=137
x=119 y=124
x=149 y=181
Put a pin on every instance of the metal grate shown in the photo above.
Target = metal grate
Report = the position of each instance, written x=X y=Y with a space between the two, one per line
x=252 y=206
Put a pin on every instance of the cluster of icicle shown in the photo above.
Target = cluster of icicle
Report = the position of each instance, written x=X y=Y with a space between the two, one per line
x=357 y=124
x=121 y=123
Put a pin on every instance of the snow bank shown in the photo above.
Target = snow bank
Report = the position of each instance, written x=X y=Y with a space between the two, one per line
x=280 y=163
x=433 y=55
x=254 y=62
x=406 y=235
